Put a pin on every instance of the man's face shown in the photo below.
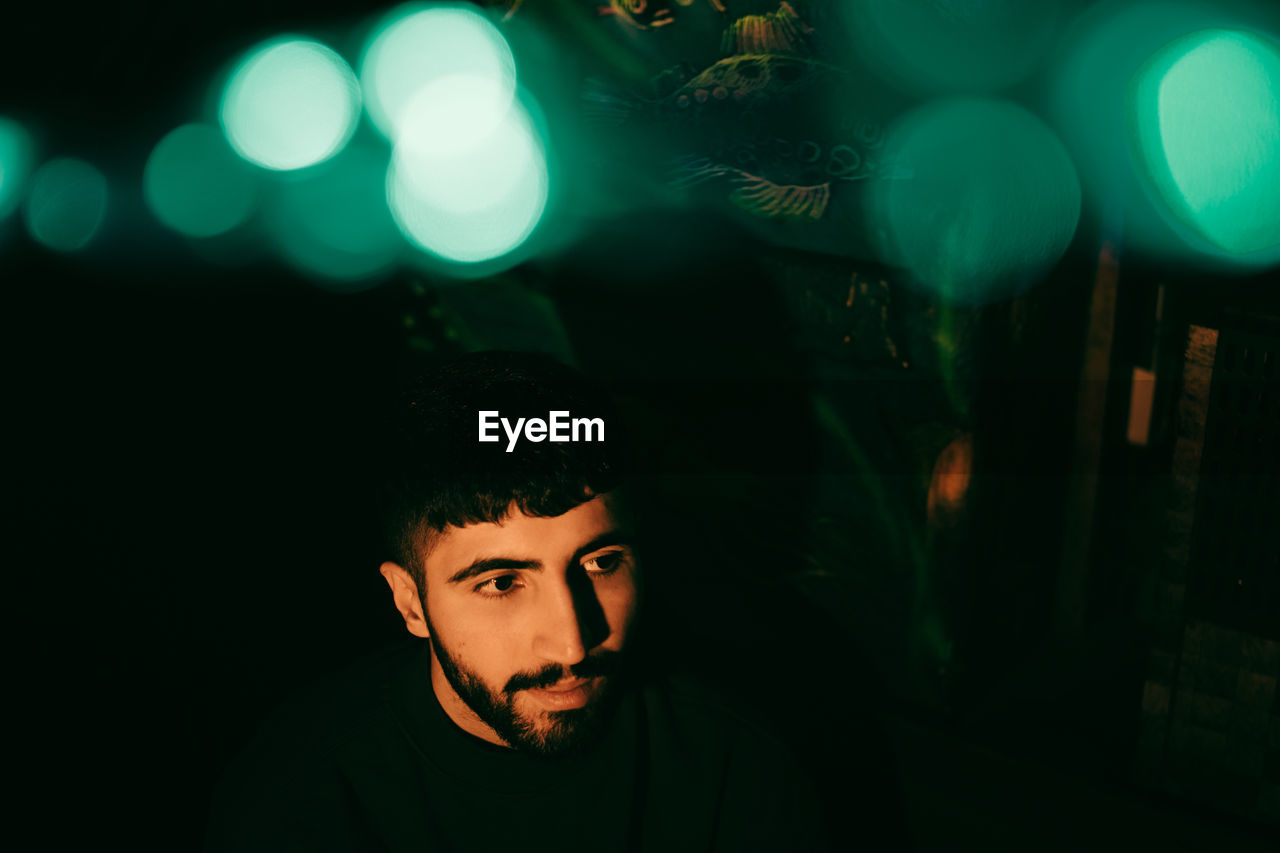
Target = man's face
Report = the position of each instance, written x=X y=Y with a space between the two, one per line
x=528 y=618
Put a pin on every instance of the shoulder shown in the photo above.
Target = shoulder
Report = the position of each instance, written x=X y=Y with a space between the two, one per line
x=746 y=774
x=316 y=722
x=710 y=720
x=293 y=766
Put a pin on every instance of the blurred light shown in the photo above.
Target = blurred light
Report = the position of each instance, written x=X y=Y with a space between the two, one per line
x=335 y=224
x=1207 y=124
x=1104 y=48
x=454 y=113
x=981 y=200
x=66 y=205
x=949 y=483
x=15 y=163
x=292 y=103
x=195 y=184
x=952 y=45
x=1090 y=104
x=416 y=45
x=472 y=204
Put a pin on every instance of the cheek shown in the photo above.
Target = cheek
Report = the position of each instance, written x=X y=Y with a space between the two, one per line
x=620 y=603
x=476 y=634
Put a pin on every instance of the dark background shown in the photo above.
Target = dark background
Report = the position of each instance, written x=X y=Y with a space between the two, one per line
x=190 y=453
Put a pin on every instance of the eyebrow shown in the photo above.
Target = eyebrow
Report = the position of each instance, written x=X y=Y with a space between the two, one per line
x=489 y=564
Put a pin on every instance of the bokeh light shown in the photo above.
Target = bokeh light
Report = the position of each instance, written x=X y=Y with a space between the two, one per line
x=454 y=112
x=1206 y=120
x=417 y=45
x=292 y=103
x=1090 y=104
x=473 y=204
x=951 y=46
x=195 y=184
x=66 y=204
x=335 y=225
x=15 y=163
x=980 y=199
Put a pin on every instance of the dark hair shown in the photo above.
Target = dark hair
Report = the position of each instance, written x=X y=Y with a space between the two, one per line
x=440 y=475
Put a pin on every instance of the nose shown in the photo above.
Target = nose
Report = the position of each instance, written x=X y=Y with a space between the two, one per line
x=566 y=629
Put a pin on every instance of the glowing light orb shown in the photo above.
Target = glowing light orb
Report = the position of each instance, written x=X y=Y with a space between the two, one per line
x=66 y=204
x=454 y=113
x=471 y=204
x=417 y=45
x=1205 y=119
x=195 y=184
x=979 y=199
x=335 y=224
x=291 y=104
x=952 y=45
x=15 y=164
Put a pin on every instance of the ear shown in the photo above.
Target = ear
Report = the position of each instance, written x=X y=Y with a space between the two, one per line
x=404 y=592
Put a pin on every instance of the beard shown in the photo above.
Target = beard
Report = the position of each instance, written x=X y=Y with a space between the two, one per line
x=549 y=734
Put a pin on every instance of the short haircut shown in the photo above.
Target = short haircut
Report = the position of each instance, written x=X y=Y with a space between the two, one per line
x=440 y=475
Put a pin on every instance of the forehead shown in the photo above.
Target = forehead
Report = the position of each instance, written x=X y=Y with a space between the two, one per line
x=522 y=537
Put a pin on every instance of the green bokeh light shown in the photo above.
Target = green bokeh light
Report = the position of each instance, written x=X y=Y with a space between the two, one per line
x=291 y=104
x=15 y=164
x=454 y=113
x=416 y=45
x=475 y=204
x=1206 y=121
x=1092 y=103
x=195 y=184
x=981 y=198
x=335 y=224
x=66 y=205
x=1103 y=49
x=952 y=45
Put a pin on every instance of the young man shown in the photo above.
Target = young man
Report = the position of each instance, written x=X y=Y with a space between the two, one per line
x=524 y=721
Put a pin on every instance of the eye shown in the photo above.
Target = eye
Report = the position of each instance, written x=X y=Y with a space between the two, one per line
x=604 y=564
x=498 y=587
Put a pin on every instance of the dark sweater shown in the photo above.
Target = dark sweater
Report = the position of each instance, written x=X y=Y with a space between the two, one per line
x=372 y=762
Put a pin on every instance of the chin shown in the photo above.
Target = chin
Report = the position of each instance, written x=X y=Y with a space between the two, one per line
x=558 y=734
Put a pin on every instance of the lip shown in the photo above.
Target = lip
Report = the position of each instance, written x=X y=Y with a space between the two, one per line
x=564 y=686
x=564 y=695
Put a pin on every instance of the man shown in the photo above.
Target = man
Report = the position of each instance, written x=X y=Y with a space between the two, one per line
x=525 y=721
